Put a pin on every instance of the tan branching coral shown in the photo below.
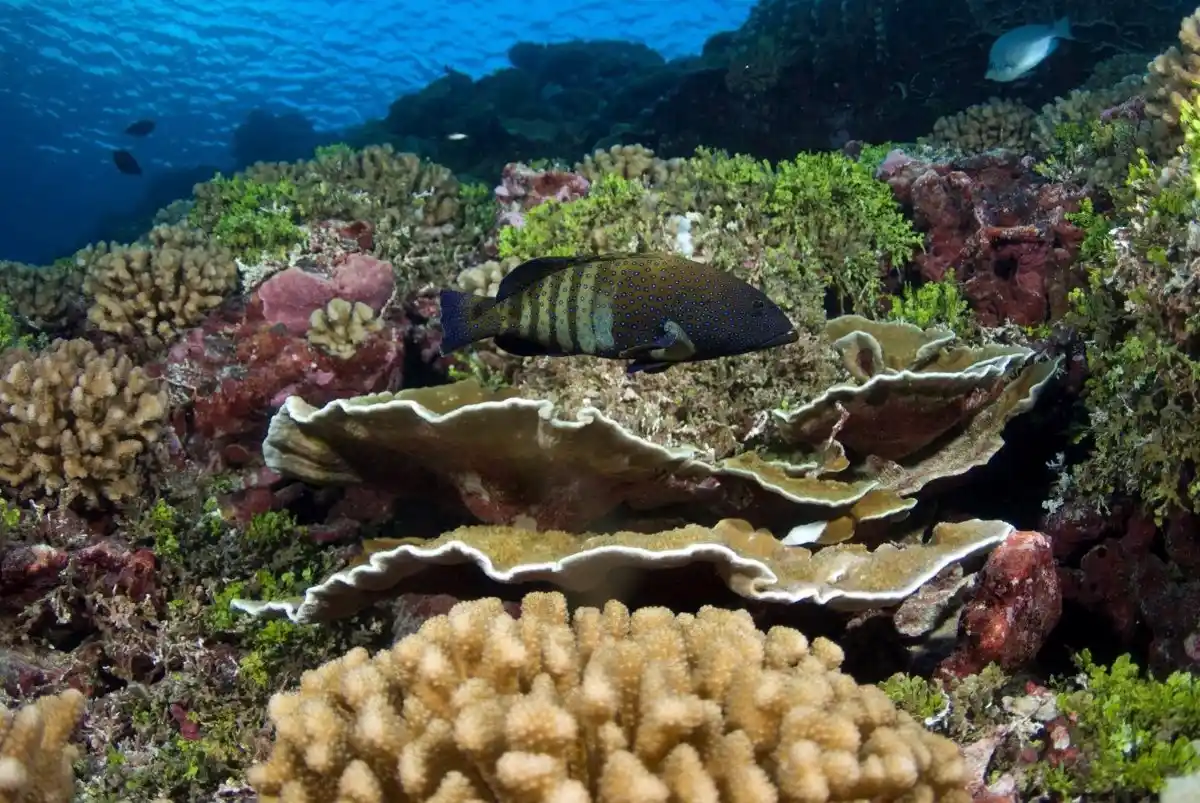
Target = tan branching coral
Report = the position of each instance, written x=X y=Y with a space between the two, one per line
x=77 y=423
x=154 y=290
x=1174 y=75
x=994 y=124
x=753 y=563
x=341 y=326
x=629 y=161
x=48 y=297
x=484 y=280
x=35 y=754
x=609 y=705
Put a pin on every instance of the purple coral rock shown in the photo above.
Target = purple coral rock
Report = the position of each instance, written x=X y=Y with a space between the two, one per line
x=289 y=297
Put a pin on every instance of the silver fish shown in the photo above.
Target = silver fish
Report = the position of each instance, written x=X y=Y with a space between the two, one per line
x=1021 y=49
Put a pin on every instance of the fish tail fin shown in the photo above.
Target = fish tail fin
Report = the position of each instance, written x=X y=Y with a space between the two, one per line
x=460 y=318
x=1062 y=28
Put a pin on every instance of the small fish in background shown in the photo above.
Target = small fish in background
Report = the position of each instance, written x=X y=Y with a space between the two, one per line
x=126 y=163
x=653 y=309
x=456 y=136
x=1020 y=50
x=140 y=129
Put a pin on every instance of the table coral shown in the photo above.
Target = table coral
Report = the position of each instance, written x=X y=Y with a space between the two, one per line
x=574 y=439
x=753 y=563
x=79 y=424
x=35 y=756
x=607 y=705
x=1000 y=227
x=157 y=289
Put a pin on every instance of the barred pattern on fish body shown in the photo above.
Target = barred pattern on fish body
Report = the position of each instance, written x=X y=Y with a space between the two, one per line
x=569 y=312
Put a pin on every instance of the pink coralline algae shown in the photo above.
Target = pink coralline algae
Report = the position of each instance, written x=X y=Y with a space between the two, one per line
x=999 y=226
x=522 y=188
x=1017 y=602
x=291 y=296
x=1141 y=579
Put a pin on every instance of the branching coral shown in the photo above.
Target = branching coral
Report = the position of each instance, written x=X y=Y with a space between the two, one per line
x=601 y=706
x=341 y=327
x=995 y=124
x=1174 y=74
x=156 y=290
x=78 y=424
x=35 y=756
x=47 y=297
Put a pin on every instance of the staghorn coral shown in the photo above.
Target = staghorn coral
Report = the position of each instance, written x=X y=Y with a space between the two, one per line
x=608 y=706
x=35 y=757
x=78 y=423
x=153 y=291
x=341 y=327
x=753 y=563
x=984 y=126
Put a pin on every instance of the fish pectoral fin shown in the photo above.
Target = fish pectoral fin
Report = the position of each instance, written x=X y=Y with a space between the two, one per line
x=520 y=347
x=671 y=345
x=647 y=367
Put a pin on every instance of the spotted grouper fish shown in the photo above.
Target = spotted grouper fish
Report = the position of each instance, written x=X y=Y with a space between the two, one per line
x=655 y=310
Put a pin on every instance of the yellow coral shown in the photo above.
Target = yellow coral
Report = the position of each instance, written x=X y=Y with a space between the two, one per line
x=35 y=758
x=1174 y=75
x=156 y=290
x=607 y=706
x=76 y=422
x=340 y=327
x=484 y=280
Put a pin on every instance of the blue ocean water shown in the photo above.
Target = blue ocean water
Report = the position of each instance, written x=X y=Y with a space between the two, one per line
x=75 y=73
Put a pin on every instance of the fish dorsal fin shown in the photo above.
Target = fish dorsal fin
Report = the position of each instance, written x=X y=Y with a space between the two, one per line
x=534 y=270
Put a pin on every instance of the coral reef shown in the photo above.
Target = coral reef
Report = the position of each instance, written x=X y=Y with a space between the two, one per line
x=35 y=757
x=753 y=563
x=157 y=290
x=341 y=327
x=545 y=449
x=79 y=424
x=601 y=705
x=1004 y=231
x=995 y=124
x=49 y=299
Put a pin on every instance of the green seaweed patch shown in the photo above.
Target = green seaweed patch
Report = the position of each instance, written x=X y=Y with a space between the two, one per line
x=937 y=303
x=1133 y=732
x=249 y=217
x=921 y=697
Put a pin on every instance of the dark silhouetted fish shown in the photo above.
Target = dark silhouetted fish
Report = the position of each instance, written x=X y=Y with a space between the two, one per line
x=653 y=309
x=140 y=129
x=126 y=163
